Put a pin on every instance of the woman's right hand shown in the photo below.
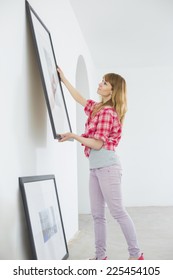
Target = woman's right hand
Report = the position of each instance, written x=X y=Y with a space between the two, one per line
x=61 y=74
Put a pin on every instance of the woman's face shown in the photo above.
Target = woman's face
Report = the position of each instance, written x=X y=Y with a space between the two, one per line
x=104 y=89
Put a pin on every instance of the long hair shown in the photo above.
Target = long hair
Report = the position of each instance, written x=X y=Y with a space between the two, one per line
x=118 y=98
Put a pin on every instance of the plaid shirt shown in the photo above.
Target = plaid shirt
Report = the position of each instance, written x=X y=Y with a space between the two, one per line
x=105 y=125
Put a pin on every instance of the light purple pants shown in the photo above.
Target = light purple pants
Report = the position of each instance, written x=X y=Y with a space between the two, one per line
x=105 y=187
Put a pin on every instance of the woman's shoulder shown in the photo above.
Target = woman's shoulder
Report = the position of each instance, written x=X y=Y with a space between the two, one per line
x=108 y=109
x=90 y=102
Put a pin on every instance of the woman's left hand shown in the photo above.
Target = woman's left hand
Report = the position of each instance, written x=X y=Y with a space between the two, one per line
x=66 y=136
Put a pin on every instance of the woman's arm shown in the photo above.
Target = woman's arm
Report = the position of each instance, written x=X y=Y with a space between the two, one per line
x=74 y=93
x=89 y=142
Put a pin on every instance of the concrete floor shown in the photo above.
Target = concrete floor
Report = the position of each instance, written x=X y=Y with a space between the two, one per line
x=154 y=226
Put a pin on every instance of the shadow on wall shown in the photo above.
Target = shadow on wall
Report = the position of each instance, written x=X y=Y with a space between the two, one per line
x=30 y=113
x=23 y=231
x=37 y=105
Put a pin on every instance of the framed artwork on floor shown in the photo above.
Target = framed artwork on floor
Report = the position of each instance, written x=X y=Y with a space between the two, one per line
x=51 y=82
x=43 y=217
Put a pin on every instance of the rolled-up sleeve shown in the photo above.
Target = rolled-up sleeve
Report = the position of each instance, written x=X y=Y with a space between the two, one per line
x=108 y=129
x=104 y=126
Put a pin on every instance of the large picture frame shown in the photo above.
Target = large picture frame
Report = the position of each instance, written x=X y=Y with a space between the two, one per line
x=51 y=82
x=43 y=217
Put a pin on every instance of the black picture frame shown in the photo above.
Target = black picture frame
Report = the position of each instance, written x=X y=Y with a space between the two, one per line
x=50 y=78
x=43 y=217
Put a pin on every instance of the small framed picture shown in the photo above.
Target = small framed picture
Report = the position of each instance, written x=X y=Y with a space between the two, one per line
x=43 y=216
x=52 y=87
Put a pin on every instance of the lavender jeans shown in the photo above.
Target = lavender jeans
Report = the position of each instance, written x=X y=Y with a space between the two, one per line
x=105 y=187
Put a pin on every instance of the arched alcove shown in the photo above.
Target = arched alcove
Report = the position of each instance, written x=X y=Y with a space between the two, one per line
x=82 y=85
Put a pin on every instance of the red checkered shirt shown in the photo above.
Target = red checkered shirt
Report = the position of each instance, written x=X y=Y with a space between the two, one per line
x=105 y=125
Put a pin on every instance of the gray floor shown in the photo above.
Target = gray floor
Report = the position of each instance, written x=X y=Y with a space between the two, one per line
x=154 y=226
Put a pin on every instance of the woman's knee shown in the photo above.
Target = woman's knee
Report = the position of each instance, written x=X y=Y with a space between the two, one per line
x=119 y=213
x=99 y=217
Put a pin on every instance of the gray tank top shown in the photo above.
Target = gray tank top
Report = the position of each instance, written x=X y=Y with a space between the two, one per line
x=102 y=158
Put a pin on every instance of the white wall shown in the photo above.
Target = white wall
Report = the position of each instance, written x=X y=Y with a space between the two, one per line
x=82 y=84
x=146 y=146
x=27 y=146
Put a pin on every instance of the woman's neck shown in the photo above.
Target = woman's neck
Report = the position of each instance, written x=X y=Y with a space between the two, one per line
x=105 y=99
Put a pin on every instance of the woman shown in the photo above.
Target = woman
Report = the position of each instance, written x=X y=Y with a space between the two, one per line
x=102 y=134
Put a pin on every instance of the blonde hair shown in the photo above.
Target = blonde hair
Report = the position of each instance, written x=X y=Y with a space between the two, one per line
x=118 y=98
